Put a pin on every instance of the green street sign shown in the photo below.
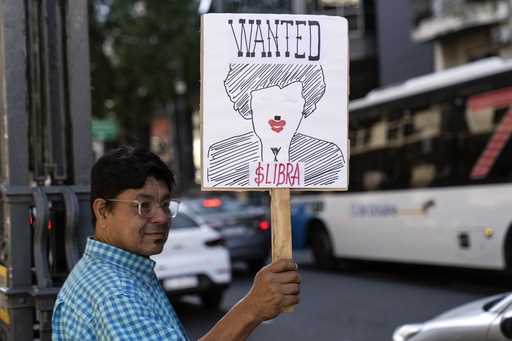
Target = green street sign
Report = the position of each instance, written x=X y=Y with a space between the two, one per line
x=105 y=129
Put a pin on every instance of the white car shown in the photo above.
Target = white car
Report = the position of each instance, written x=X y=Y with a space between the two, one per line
x=488 y=319
x=194 y=260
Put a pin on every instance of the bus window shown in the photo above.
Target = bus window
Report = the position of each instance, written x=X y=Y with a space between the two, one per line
x=408 y=128
x=427 y=122
x=393 y=134
x=372 y=180
x=423 y=175
x=480 y=121
x=490 y=117
x=378 y=135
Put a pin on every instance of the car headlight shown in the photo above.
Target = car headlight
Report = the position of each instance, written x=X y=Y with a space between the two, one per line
x=407 y=331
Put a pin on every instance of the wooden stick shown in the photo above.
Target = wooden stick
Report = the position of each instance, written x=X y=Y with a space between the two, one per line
x=281 y=223
x=281 y=227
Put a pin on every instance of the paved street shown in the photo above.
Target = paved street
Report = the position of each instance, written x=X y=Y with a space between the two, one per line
x=363 y=304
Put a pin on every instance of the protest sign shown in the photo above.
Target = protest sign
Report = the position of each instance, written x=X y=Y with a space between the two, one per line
x=274 y=105
x=274 y=102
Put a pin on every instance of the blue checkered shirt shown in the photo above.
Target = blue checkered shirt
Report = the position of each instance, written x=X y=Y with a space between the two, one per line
x=112 y=294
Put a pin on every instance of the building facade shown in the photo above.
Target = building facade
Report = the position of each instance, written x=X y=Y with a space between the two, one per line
x=400 y=57
x=463 y=31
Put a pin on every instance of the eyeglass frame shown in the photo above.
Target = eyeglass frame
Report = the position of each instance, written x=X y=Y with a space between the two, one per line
x=139 y=206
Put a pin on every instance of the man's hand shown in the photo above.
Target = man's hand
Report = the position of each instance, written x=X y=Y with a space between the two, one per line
x=275 y=287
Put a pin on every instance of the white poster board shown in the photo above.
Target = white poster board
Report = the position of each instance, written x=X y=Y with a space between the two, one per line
x=274 y=102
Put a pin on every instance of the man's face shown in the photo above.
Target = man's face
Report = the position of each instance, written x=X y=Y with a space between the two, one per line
x=124 y=228
x=276 y=112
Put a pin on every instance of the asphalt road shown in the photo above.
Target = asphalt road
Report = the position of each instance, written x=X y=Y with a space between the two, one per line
x=364 y=303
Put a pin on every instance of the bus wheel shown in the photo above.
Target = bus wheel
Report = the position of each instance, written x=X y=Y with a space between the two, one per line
x=508 y=250
x=322 y=248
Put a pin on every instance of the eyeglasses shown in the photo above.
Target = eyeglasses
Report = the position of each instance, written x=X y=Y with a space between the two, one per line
x=148 y=209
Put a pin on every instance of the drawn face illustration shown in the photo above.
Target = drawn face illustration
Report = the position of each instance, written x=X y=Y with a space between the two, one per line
x=276 y=113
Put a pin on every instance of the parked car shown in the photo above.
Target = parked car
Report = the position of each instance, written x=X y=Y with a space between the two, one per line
x=245 y=227
x=488 y=319
x=194 y=260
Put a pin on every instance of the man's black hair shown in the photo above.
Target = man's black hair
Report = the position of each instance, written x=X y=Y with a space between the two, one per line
x=126 y=167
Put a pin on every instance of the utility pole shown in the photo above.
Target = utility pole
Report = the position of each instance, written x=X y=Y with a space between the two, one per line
x=219 y=6
x=183 y=138
x=298 y=6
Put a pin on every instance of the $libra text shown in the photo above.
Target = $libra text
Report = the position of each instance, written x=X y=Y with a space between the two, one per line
x=276 y=174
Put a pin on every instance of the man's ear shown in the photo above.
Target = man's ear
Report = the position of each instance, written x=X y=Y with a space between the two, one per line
x=99 y=207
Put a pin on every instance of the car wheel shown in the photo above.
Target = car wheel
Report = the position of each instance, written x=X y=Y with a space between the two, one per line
x=322 y=248
x=212 y=298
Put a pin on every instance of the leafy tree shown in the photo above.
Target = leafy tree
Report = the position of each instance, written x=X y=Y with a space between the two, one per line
x=140 y=50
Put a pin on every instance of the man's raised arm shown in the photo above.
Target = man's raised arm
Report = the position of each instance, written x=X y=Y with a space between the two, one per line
x=275 y=287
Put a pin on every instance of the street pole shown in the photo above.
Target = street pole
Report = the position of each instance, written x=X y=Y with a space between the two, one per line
x=16 y=314
x=298 y=6
x=183 y=135
x=219 y=6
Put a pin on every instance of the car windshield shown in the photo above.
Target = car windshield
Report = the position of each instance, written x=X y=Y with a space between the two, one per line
x=215 y=205
x=488 y=305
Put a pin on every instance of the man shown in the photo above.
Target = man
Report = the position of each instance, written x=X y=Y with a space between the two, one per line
x=113 y=294
x=276 y=97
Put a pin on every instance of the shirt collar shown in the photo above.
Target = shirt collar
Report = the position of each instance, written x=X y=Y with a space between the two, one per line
x=139 y=265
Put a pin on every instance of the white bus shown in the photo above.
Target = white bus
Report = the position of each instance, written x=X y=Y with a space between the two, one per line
x=430 y=174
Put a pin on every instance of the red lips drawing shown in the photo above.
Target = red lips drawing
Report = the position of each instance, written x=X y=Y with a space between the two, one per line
x=277 y=124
